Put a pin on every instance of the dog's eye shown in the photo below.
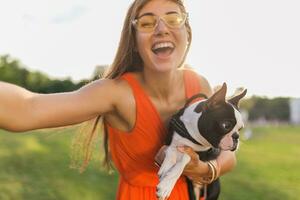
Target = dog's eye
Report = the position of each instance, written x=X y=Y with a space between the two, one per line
x=226 y=125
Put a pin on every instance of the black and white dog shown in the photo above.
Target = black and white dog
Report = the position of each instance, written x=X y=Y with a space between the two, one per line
x=208 y=126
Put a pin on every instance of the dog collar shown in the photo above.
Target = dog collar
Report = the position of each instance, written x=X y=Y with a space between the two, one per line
x=177 y=125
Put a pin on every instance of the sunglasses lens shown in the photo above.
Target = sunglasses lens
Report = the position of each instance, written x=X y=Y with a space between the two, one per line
x=174 y=20
x=146 y=23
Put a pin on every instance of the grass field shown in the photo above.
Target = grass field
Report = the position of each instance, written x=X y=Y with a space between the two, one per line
x=35 y=166
x=268 y=166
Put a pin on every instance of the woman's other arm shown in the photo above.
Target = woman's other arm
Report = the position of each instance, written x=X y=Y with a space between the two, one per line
x=226 y=161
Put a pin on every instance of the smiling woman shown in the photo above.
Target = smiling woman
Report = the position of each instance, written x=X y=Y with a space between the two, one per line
x=167 y=26
x=146 y=84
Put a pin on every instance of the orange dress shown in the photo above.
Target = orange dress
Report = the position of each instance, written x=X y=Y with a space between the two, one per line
x=133 y=152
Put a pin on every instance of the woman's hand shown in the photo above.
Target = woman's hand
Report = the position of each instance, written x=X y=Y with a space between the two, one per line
x=199 y=171
x=196 y=170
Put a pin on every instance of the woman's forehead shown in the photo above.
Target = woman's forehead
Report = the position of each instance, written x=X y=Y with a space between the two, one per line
x=159 y=7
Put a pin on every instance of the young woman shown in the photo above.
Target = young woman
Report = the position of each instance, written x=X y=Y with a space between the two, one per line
x=146 y=84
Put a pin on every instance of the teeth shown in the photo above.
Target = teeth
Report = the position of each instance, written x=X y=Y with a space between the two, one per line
x=163 y=45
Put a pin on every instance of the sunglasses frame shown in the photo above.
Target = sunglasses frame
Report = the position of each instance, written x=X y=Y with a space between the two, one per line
x=158 y=18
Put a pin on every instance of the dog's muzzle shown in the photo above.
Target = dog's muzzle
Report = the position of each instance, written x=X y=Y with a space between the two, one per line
x=229 y=142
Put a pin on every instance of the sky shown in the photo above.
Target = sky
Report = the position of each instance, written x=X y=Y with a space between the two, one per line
x=252 y=44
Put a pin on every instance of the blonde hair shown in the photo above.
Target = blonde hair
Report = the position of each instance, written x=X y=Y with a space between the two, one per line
x=127 y=59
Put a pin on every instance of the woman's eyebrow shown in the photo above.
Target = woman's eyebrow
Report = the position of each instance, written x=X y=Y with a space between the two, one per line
x=172 y=12
x=145 y=14
x=152 y=14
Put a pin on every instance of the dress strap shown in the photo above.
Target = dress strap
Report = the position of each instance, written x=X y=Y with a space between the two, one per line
x=147 y=113
x=192 y=83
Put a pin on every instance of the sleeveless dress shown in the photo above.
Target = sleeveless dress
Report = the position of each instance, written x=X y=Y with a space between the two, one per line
x=133 y=152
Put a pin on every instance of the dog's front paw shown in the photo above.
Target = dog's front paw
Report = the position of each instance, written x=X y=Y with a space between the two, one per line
x=163 y=169
x=163 y=191
x=168 y=162
x=164 y=188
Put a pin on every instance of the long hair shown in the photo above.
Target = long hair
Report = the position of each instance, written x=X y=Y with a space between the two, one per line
x=127 y=59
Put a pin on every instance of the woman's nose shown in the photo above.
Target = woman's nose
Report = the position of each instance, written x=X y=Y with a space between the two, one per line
x=161 y=28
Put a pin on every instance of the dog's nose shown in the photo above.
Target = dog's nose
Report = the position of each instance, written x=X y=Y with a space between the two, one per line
x=235 y=136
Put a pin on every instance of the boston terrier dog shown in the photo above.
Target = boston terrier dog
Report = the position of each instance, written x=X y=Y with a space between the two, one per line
x=207 y=126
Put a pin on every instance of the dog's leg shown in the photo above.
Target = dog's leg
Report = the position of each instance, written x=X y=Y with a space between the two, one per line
x=169 y=161
x=168 y=181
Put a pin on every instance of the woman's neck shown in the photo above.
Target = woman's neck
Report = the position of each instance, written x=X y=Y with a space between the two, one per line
x=162 y=84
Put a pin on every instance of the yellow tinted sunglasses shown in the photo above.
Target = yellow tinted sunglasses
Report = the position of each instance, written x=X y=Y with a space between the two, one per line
x=148 y=22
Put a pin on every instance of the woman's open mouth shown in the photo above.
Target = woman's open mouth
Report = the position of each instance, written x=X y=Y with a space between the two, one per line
x=163 y=49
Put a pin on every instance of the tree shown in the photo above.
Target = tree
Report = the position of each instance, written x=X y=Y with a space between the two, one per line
x=13 y=72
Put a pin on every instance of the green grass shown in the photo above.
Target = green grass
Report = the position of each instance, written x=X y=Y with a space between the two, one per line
x=268 y=166
x=35 y=166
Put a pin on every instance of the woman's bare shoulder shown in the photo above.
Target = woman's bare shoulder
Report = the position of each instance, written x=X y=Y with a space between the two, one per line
x=118 y=88
x=122 y=117
x=111 y=86
x=205 y=86
x=105 y=94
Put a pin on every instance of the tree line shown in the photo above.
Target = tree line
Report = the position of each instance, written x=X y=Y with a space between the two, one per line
x=263 y=108
x=12 y=71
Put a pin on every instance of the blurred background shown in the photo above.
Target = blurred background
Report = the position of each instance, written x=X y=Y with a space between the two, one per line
x=56 y=46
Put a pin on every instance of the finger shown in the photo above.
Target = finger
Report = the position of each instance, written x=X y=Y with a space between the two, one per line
x=185 y=149
x=199 y=183
x=189 y=151
x=195 y=180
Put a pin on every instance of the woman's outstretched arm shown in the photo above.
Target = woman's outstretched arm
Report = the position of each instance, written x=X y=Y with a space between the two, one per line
x=23 y=110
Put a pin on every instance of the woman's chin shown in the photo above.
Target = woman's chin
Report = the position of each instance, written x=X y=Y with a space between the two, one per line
x=164 y=67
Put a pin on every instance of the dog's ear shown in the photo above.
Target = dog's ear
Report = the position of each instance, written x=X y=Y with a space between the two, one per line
x=218 y=97
x=215 y=100
x=235 y=100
